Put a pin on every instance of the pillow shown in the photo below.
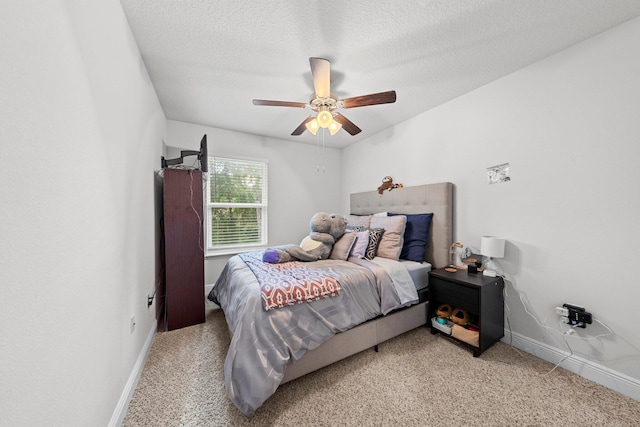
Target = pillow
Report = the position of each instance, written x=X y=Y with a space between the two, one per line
x=343 y=246
x=416 y=236
x=360 y=245
x=393 y=237
x=380 y=214
x=375 y=234
x=358 y=220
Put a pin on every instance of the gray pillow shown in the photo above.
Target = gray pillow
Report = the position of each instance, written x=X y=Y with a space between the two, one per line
x=393 y=237
x=343 y=246
x=354 y=221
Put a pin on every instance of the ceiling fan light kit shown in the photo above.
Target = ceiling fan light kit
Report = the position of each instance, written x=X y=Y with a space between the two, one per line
x=334 y=127
x=324 y=118
x=311 y=125
x=324 y=103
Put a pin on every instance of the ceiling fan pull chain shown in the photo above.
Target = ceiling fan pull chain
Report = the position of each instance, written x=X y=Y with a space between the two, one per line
x=320 y=151
x=318 y=147
x=322 y=155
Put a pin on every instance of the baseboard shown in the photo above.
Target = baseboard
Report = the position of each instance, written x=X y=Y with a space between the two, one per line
x=592 y=371
x=123 y=404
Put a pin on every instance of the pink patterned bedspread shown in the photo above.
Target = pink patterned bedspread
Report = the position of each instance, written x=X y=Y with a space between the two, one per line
x=289 y=283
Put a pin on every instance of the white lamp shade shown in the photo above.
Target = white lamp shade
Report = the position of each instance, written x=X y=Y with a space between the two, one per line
x=492 y=246
x=334 y=127
x=324 y=119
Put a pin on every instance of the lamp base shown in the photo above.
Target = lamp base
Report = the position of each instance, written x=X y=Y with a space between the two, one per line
x=489 y=273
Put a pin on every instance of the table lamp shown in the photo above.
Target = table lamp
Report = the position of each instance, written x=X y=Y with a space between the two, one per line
x=491 y=247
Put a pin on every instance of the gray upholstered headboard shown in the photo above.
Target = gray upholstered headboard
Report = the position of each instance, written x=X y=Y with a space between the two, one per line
x=434 y=198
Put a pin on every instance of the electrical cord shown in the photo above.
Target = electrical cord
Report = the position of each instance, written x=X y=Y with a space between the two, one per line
x=511 y=333
x=200 y=240
x=571 y=332
x=564 y=335
x=191 y=168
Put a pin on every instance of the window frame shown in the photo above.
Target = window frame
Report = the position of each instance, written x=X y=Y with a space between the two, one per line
x=232 y=249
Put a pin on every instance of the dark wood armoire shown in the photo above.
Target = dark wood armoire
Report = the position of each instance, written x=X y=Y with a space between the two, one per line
x=183 y=250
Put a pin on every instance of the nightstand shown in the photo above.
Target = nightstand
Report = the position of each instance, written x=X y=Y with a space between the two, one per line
x=479 y=295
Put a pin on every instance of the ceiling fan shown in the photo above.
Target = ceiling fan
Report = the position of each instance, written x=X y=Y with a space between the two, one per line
x=325 y=104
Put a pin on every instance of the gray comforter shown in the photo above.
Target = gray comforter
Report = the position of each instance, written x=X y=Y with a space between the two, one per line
x=264 y=342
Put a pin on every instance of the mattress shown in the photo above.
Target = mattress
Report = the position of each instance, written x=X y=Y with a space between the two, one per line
x=419 y=273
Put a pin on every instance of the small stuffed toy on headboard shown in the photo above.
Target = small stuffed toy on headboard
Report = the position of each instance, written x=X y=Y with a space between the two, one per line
x=387 y=184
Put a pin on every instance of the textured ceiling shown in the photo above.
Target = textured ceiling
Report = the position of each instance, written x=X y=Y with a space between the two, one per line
x=209 y=58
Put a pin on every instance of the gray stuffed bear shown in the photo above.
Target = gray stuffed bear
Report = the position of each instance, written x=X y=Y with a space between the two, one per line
x=326 y=229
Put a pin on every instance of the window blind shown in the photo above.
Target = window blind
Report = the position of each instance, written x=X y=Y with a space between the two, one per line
x=236 y=204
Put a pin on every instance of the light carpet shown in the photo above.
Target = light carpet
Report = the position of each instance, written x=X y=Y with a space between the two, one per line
x=416 y=379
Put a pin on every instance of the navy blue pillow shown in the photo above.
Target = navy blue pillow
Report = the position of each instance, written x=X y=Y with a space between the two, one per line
x=416 y=236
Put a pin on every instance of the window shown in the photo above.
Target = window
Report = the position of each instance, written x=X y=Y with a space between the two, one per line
x=236 y=205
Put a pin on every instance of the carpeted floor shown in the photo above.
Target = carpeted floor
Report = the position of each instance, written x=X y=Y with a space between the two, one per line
x=417 y=379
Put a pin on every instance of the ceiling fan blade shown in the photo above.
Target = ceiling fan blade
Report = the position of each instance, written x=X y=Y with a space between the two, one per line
x=279 y=103
x=300 y=129
x=347 y=124
x=321 y=73
x=388 y=97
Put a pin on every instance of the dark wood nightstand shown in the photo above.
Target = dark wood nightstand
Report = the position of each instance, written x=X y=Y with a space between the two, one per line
x=479 y=295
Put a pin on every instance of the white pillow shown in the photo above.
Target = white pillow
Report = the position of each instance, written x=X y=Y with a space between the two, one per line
x=360 y=245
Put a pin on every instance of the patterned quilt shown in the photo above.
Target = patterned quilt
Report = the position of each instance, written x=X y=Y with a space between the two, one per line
x=289 y=283
x=264 y=342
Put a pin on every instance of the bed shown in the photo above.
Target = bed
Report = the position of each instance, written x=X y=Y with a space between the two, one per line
x=377 y=299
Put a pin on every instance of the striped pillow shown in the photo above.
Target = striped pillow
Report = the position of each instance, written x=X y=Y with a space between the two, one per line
x=375 y=235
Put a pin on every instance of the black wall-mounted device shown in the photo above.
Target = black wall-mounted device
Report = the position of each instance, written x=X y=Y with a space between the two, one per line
x=203 y=156
x=578 y=316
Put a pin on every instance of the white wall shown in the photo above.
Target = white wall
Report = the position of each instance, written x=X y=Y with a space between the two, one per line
x=568 y=127
x=297 y=189
x=81 y=135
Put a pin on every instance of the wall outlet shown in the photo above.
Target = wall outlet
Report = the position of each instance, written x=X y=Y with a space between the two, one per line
x=133 y=323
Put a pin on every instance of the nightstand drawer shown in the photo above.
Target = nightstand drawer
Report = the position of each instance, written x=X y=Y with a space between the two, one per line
x=459 y=296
